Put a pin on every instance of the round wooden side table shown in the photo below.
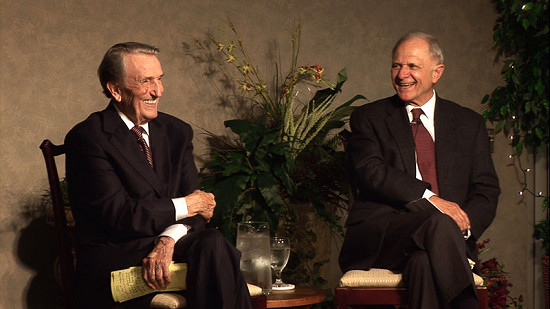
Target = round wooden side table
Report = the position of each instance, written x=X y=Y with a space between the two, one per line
x=299 y=297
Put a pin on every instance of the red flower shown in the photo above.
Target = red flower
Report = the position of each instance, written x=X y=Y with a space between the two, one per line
x=490 y=265
x=481 y=245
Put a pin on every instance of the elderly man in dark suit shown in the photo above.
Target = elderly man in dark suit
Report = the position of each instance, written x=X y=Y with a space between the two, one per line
x=426 y=184
x=133 y=190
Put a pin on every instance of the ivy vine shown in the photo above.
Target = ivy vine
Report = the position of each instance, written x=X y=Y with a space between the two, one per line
x=520 y=107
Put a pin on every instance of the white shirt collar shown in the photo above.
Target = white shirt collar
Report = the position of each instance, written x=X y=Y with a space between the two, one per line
x=129 y=122
x=428 y=108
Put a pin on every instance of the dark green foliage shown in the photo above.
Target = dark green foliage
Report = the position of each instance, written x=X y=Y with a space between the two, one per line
x=520 y=107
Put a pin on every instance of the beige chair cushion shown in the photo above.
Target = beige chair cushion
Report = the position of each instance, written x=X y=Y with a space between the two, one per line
x=374 y=277
x=378 y=277
x=176 y=301
x=254 y=290
x=478 y=280
x=168 y=300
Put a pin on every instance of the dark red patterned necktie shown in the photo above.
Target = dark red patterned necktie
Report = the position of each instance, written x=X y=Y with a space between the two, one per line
x=425 y=150
x=138 y=131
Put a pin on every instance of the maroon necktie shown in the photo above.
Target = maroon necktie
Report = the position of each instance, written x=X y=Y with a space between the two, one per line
x=425 y=150
x=138 y=131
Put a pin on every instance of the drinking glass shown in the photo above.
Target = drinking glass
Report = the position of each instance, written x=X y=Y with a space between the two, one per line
x=254 y=244
x=280 y=252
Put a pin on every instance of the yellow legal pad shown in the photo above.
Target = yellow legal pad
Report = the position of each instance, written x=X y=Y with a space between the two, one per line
x=127 y=283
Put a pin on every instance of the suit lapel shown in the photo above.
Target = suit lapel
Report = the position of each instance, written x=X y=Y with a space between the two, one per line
x=397 y=122
x=160 y=147
x=446 y=130
x=125 y=142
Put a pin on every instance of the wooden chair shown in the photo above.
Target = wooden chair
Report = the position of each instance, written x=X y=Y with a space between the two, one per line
x=383 y=287
x=66 y=270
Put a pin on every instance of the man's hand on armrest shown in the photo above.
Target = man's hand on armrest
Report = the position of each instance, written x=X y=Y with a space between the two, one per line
x=155 y=270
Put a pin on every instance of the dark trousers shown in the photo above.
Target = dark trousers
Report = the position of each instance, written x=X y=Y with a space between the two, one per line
x=214 y=279
x=428 y=248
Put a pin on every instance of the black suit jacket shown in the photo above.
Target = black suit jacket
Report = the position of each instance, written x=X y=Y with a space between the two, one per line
x=381 y=152
x=119 y=202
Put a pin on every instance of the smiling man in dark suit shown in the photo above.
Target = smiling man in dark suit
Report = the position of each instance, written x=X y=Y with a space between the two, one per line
x=133 y=190
x=421 y=203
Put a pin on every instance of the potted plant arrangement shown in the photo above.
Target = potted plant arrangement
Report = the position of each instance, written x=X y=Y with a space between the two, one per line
x=520 y=107
x=284 y=158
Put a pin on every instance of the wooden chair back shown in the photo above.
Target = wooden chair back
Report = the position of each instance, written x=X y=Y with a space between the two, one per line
x=62 y=235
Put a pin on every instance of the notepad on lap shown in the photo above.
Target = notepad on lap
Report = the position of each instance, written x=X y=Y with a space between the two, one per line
x=128 y=283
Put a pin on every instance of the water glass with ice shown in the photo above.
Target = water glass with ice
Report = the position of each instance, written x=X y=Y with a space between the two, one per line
x=254 y=243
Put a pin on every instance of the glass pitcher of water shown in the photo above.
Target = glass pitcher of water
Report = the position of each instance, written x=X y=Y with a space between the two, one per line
x=253 y=240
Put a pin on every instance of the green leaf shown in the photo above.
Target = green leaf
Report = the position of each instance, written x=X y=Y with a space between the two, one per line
x=485 y=115
x=345 y=108
x=227 y=192
x=269 y=189
x=525 y=24
x=342 y=77
x=539 y=87
x=504 y=111
x=499 y=126
x=519 y=149
x=271 y=193
x=249 y=132
x=538 y=133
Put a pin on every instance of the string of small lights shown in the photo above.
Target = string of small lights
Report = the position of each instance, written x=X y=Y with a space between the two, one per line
x=541 y=228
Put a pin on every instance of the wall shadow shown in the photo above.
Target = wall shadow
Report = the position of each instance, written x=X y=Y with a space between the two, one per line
x=36 y=248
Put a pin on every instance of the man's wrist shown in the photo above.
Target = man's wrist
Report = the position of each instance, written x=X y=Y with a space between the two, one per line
x=165 y=240
x=175 y=231
x=433 y=204
x=180 y=206
x=427 y=194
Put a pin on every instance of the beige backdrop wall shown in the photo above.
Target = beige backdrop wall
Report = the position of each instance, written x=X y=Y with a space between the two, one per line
x=50 y=50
